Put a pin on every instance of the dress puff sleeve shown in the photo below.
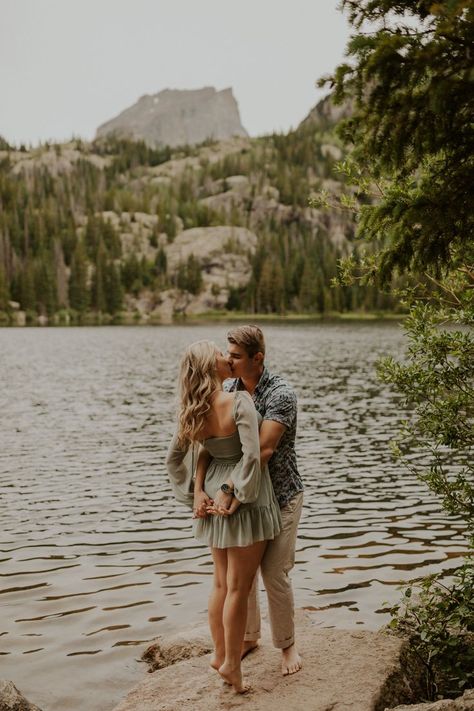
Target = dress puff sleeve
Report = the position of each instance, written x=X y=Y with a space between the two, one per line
x=246 y=475
x=179 y=466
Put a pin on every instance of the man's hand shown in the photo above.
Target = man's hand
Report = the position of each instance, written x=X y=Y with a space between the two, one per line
x=201 y=504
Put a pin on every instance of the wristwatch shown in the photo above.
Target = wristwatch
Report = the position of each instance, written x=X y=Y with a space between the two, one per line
x=227 y=489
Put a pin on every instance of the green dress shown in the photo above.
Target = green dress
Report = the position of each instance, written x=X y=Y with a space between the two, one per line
x=235 y=457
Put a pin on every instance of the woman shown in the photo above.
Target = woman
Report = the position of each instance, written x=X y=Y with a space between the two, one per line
x=242 y=511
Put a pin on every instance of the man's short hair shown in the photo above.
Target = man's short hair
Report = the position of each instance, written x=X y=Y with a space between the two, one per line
x=250 y=338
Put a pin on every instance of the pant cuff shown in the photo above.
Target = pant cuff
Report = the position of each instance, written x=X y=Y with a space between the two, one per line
x=284 y=643
x=252 y=636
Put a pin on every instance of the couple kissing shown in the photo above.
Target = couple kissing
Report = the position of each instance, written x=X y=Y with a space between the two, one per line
x=232 y=460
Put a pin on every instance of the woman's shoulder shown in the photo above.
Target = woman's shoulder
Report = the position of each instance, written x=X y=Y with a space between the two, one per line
x=243 y=395
x=243 y=403
x=224 y=398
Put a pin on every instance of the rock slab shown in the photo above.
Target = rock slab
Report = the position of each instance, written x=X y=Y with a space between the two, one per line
x=462 y=703
x=343 y=670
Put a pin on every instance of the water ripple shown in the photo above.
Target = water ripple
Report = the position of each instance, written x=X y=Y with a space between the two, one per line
x=86 y=418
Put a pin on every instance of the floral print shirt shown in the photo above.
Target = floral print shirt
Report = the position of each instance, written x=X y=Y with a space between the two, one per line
x=275 y=400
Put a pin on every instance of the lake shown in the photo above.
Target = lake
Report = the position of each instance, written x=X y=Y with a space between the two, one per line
x=96 y=558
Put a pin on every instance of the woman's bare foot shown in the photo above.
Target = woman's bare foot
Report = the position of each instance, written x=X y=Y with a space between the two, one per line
x=291 y=661
x=247 y=647
x=216 y=661
x=234 y=677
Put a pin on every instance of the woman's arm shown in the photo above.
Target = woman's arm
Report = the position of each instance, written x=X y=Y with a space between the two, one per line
x=179 y=468
x=246 y=476
x=201 y=499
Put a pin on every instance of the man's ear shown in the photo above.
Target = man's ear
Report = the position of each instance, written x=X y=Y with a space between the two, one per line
x=258 y=358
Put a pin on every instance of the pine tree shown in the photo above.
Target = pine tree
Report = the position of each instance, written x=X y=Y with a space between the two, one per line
x=46 y=288
x=98 y=286
x=193 y=275
x=92 y=236
x=27 y=288
x=161 y=261
x=78 y=288
x=4 y=290
x=114 y=291
x=412 y=91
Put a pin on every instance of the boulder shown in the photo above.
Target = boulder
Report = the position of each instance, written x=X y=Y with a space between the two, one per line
x=13 y=700
x=172 y=649
x=462 y=703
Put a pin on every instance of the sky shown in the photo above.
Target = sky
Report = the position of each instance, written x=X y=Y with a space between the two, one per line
x=67 y=66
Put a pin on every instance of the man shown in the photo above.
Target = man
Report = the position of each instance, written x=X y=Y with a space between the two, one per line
x=275 y=400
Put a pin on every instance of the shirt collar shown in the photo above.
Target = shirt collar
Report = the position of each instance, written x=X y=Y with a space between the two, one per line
x=261 y=385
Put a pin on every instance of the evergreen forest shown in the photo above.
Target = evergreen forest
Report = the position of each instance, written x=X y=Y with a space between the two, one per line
x=65 y=208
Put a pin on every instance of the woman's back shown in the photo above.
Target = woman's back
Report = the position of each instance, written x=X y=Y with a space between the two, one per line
x=236 y=457
x=219 y=421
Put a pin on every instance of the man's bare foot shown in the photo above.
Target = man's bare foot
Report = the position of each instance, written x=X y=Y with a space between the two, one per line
x=291 y=661
x=247 y=647
x=234 y=677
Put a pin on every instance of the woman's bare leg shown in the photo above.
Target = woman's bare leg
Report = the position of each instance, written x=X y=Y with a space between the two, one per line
x=242 y=564
x=216 y=605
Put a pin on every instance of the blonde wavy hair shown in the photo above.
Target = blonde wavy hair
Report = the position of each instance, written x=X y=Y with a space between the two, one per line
x=197 y=381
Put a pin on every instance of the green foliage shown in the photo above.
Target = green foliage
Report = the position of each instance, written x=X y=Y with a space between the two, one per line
x=78 y=287
x=411 y=85
x=439 y=620
x=127 y=154
x=98 y=285
x=4 y=145
x=161 y=261
x=189 y=276
x=113 y=288
x=411 y=169
x=4 y=291
x=437 y=382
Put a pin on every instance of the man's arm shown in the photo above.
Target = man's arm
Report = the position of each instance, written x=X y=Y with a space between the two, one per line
x=271 y=433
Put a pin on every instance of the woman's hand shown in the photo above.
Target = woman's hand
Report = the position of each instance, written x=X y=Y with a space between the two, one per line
x=222 y=501
x=201 y=504
x=224 y=504
x=234 y=506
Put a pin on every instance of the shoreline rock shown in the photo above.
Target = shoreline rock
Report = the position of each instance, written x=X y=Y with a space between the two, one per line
x=462 y=703
x=13 y=700
x=351 y=670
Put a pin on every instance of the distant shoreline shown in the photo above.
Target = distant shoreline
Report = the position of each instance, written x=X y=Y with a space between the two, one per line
x=64 y=320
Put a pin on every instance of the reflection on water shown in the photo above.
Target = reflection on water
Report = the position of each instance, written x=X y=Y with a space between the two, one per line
x=96 y=558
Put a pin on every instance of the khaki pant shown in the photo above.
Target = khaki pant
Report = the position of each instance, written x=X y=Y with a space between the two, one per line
x=277 y=561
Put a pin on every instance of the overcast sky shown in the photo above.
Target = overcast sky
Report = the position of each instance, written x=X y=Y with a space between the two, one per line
x=66 y=66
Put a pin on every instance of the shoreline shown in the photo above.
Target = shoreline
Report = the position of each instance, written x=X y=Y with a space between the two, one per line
x=63 y=320
x=364 y=670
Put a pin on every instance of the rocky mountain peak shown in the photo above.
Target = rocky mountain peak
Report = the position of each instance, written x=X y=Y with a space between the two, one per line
x=176 y=117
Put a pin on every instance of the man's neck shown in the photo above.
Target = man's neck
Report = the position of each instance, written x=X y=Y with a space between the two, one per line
x=250 y=382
